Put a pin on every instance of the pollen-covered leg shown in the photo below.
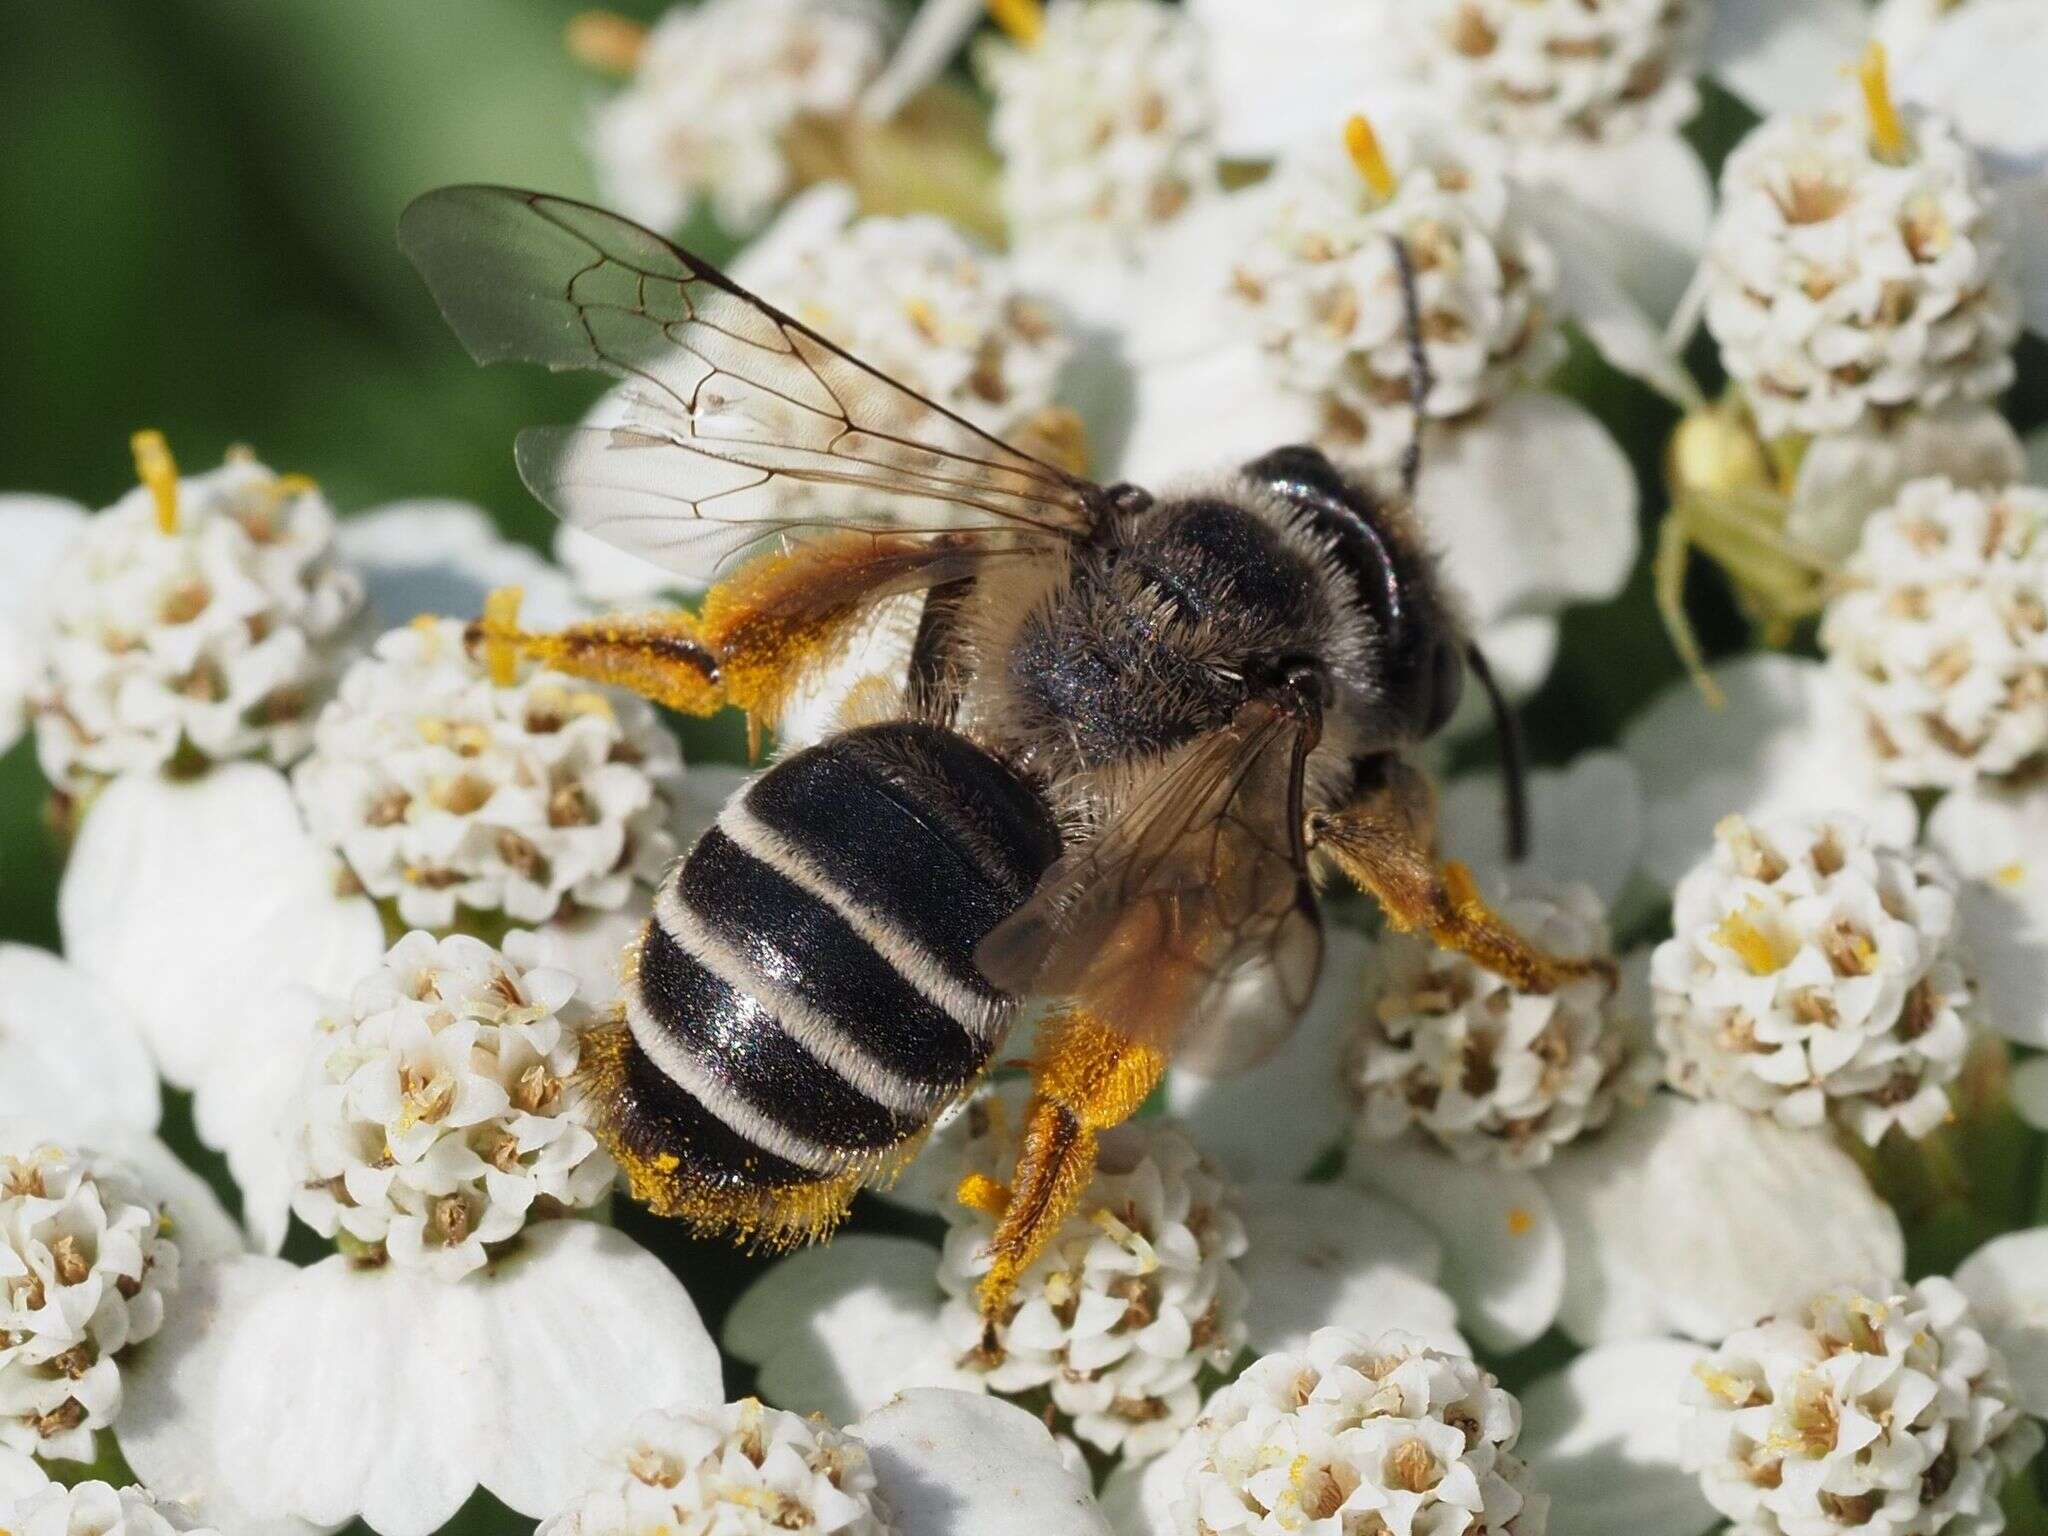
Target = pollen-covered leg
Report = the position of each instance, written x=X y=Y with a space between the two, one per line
x=1086 y=1077
x=660 y=656
x=1383 y=843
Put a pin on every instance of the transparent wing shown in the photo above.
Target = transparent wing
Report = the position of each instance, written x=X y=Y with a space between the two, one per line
x=1189 y=923
x=737 y=425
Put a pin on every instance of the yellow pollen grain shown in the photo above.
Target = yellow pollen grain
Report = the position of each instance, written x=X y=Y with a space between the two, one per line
x=1520 y=1222
x=1888 y=137
x=1024 y=20
x=1363 y=145
x=157 y=470
x=979 y=1192
x=1749 y=943
x=605 y=40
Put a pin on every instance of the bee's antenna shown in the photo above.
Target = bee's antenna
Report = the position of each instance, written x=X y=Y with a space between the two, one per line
x=1420 y=380
x=1513 y=771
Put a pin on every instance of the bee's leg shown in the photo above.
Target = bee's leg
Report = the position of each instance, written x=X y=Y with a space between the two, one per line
x=1384 y=840
x=1085 y=1078
x=660 y=656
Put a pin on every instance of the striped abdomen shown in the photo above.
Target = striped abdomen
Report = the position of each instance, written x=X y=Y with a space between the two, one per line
x=805 y=999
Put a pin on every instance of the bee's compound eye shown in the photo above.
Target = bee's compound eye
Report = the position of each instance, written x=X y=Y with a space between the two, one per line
x=1446 y=684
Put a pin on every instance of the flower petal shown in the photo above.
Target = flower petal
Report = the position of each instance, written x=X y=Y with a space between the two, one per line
x=961 y=1464
x=67 y=1054
x=1779 y=747
x=842 y=1330
x=1521 y=649
x=1504 y=1258
x=2029 y=1090
x=1602 y=1436
x=188 y=899
x=1698 y=1219
x=1846 y=476
x=20 y=1476
x=198 y=1223
x=1327 y=1254
x=1585 y=822
x=1332 y=58
x=1779 y=57
x=1232 y=1118
x=2007 y=1283
x=251 y=1109
x=1218 y=407
x=35 y=531
x=1533 y=505
x=1997 y=839
x=1982 y=65
x=443 y=558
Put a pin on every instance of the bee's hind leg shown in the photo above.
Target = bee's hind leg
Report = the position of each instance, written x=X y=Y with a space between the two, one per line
x=662 y=656
x=1383 y=842
x=1085 y=1078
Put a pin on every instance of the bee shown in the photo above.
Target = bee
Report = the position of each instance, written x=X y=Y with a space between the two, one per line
x=1137 y=730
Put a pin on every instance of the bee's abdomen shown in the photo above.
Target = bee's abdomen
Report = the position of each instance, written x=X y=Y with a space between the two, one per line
x=805 y=998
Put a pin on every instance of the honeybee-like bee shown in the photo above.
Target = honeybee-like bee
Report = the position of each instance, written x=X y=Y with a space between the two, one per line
x=1136 y=728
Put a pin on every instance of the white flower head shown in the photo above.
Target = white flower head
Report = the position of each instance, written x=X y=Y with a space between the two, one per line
x=740 y=1470
x=1813 y=969
x=440 y=1112
x=1321 y=284
x=716 y=90
x=1357 y=1434
x=1136 y=1294
x=1859 y=1413
x=1844 y=281
x=98 y=1509
x=1940 y=636
x=446 y=792
x=84 y=1268
x=1558 y=69
x=1105 y=121
x=207 y=614
x=1490 y=1073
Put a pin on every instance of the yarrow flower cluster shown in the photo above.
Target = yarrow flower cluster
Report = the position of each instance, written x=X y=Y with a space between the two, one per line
x=1490 y=1073
x=1133 y=1298
x=1105 y=120
x=737 y=1470
x=1356 y=1434
x=84 y=1268
x=447 y=793
x=205 y=615
x=1885 y=1413
x=1940 y=636
x=1843 y=281
x=100 y=1509
x=715 y=93
x=1812 y=969
x=440 y=1115
x=1598 y=71
x=1321 y=283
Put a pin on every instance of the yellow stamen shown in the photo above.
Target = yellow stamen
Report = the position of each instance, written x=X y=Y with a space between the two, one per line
x=1520 y=1222
x=606 y=41
x=1749 y=943
x=501 y=635
x=1888 y=137
x=1024 y=20
x=1363 y=145
x=155 y=468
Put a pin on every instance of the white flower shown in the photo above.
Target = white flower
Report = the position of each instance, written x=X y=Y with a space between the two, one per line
x=341 y=1391
x=1105 y=121
x=441 y=1113
x=1978 y=60
x=1843 y=281
x=69 y=1056
x=716 y=92
x=928 y=1464
x=1491 y=1074
x=444 y=558
x=36 y=530
x=1350 y=1433
x=1996 y=838
x=445 y=792
x=1812 y=971
x=218 y=637
x=1940 y=635
x=98 y=1509
x=1860 y=1412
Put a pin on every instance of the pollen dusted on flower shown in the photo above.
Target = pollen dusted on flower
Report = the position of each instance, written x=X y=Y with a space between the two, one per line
x=1321 y=286
x=1105 y=121
x=715 y=92
x=1449 y=1049
x=737 y=1470
x=100 y=1509
x=441 y=1113
x=84 y=1267
x=206 y=615
x=1846 y=279
x=446 y=793
x=1813 y=970
x=1864 y=1414
x=1940 y=633
x=1358 y=1434
x=1137 y=1294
